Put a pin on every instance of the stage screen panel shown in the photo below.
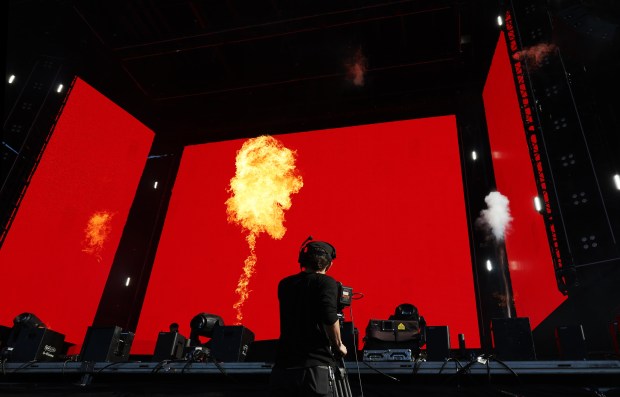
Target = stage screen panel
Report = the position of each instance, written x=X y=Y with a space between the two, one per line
x=57 y=255
x=388 y=196
x=529 y=258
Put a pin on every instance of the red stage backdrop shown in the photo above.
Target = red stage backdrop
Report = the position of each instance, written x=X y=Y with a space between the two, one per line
x=388 y=196
x=529 y=257
x=57 y=256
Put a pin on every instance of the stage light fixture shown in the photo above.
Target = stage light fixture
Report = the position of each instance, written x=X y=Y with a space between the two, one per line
x=617 y=181
x=11 y=79
x=155 y=185
x=474 y=155
x=127 y=281
x=537 y=204
x=405 y=311
x=60 y=88
x=28 y=320
x=30 y=339
x=489 y=265
x=203 y=324
x=500 y=21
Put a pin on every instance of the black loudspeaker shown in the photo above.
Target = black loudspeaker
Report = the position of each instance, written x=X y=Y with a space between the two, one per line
x=437 y=343
x=512 y=339
x=230 y=343
x=106 y=344
x=169 y=346
x=40 y=344
x=571 y=342
x=263 y=351
x=350 y=338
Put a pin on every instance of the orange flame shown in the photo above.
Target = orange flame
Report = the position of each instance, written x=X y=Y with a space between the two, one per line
x=97 y=231
x=261 y=190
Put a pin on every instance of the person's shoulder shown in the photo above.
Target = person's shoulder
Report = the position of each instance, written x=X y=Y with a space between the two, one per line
x=290 y=278
x=327 y=280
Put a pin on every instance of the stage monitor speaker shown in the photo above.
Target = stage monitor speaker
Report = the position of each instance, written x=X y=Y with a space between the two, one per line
x=109 y=344
x=512 y=339
x=437 y=343
x=571 y=342
x=262 y=351
x=37 y=344
x=169 y=346
x=230 y=343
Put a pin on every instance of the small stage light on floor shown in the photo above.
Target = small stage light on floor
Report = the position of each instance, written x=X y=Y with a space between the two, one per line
x=399 y=338
x=203 y=324
x=31 y=340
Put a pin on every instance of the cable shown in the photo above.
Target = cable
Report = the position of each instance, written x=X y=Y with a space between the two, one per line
x=457 y=365
x=109 y=365
x=26 y=365
x=189 y=363
x=380 y=372
x=220 y=368
x=357 y=363
x=417 y=363
x=159 y=366
x=503 y=364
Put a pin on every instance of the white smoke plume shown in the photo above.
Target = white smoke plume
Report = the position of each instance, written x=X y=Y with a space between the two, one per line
x=496 y=218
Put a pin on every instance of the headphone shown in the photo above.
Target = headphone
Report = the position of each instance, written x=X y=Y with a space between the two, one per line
x=310 y=245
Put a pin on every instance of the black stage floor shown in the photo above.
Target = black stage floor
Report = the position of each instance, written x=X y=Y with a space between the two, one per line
x=425 y=378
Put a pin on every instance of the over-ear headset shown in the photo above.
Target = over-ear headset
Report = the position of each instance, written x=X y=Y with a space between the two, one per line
x=309 y=246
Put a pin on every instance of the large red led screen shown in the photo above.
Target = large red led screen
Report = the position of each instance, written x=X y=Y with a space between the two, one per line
x=388 y=196
x=529 y=258
x=57 y=255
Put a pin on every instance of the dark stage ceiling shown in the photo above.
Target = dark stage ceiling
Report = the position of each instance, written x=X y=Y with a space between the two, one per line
x=205 y=70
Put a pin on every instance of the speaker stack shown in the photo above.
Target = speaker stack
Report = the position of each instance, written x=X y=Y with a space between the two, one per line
x=109 y=344
x=512 y=339
x=230 y=343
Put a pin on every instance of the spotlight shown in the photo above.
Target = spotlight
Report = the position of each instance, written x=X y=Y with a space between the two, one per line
x=489 y=265
x=28 y=320
x=474 y=155
x=11 y=79
x=60 y=88
x=155 y=185
x=617 y=181
x=31 y=340
x=397 y=338
x=405 y=311
x=500 y=21
x=203 y=324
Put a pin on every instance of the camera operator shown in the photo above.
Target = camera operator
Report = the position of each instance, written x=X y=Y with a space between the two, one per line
x=309 y=328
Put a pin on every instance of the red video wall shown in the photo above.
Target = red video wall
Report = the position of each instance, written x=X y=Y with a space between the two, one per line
x=58 y=253
x=529 y=258
x=388 y=196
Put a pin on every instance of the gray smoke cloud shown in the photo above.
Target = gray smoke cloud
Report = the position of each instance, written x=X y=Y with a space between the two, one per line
x=356 y=68
x=535 y=55
x=496 y=218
